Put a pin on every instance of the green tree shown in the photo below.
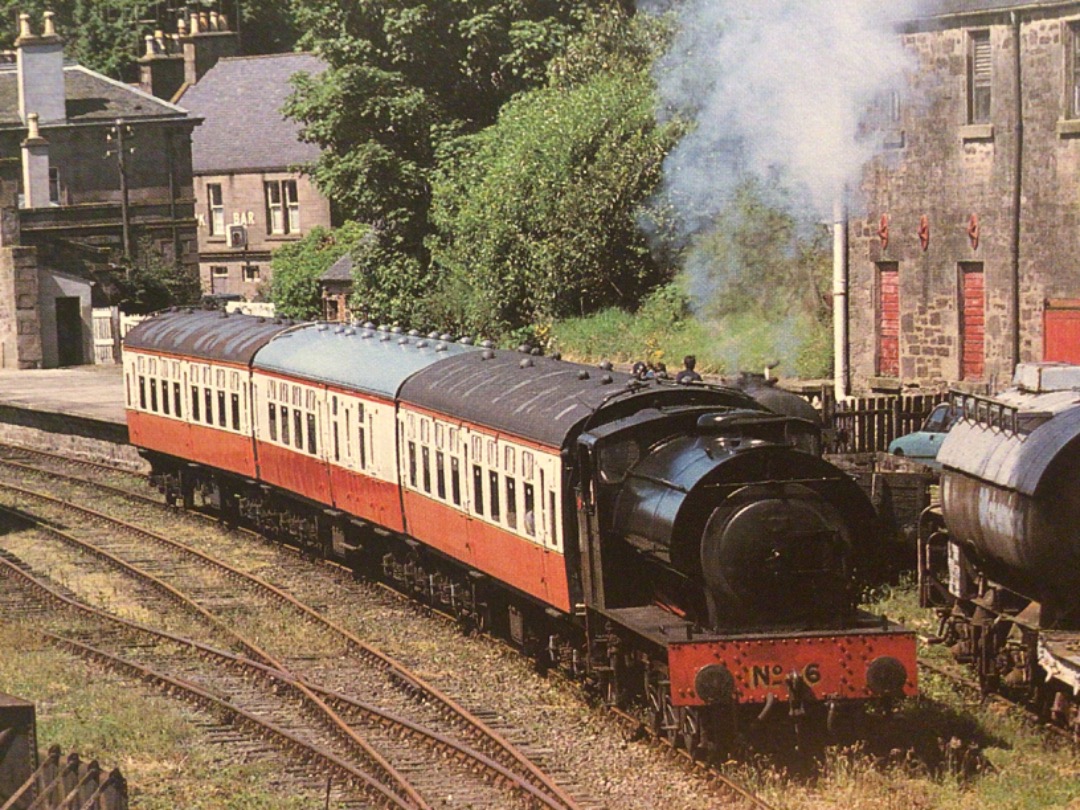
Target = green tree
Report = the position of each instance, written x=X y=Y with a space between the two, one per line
x=297 y=267
x=403 y=76
x=537 y=217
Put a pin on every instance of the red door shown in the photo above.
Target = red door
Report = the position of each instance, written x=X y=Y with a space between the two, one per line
x=972 y=323
x=888 y=348
x=1061 y=331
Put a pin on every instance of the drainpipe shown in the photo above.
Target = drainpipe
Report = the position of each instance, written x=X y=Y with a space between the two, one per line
x=840 y=307
x=1018 y=185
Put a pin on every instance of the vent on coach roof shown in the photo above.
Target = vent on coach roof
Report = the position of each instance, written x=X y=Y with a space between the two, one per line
x=583 y=375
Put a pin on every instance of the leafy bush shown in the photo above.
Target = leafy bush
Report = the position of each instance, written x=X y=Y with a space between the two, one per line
x=297 y=267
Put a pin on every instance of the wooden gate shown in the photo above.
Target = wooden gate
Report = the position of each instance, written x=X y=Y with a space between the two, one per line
x=868 y=424
x=106 y=339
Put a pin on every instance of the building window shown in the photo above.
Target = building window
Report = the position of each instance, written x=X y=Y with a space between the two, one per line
x=251 y=272
x=54 y=185
x=217 y=209
x=219 y=270
x=979 y=77
x=282 y=207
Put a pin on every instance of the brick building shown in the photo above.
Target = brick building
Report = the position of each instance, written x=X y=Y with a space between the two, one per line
x=92 y=171
x=251 y=193
x=967 y=260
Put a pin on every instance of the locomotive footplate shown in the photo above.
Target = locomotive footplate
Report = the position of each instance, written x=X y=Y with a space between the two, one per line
x=876 y=660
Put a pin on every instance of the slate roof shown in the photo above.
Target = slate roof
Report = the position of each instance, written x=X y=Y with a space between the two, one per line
x=341 y=270
x=240 y=101
x=945 y=8
x=90 y=97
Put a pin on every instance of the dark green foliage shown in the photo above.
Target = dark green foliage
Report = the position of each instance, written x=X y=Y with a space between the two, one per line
x=150 y=282
x=537 y=217
x=405 y=74
x=297 y=267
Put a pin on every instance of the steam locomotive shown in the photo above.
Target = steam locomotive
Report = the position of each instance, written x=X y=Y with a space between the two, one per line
x=1000 y=557
x=681 y=547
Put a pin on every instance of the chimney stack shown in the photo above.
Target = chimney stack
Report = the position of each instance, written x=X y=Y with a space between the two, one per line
x=40 y=61
x=35 y=166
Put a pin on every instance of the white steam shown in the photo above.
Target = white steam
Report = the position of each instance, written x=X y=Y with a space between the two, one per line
x=779 y=90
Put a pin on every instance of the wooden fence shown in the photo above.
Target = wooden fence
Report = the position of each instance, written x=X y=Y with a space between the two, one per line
x=868 y=424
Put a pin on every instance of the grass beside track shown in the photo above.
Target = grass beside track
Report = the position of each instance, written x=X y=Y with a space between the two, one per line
x=160 y=745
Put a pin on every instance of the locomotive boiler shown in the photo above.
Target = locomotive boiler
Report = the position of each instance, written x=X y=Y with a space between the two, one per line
x=682 y=547
x=1000 y=558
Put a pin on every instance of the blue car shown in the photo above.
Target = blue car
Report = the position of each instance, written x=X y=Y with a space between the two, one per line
x=923 y=444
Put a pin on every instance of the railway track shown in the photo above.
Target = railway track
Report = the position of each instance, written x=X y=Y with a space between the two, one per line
x=492 y=756
x=32 y=461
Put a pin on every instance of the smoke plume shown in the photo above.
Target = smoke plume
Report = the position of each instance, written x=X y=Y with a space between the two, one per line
x=779 y=93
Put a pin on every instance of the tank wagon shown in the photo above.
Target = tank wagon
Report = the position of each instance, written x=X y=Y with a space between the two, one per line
x=1000 y=557
x=681 y=547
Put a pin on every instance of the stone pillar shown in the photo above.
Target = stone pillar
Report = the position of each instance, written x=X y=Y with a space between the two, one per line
x=20 y=317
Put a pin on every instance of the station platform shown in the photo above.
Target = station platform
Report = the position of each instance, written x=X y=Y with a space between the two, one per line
x=76 y=411
x=89 y=392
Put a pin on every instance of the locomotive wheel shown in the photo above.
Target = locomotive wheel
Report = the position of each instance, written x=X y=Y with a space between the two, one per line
x=654 y=701
x=690 y=730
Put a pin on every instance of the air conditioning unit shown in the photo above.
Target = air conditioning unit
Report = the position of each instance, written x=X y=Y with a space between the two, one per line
x=238 y=236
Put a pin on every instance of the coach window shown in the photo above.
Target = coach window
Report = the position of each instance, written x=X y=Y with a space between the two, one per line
x=312 y=446
x=412 y=464
x=298 y=426
x=478 y=489
x=142 y=392
x=165 y=407
x=425 y=455
x=510 y=470
x=528 y=493
x=235 y=400
x=177 y=398
x=273 y=422
x=362 y=437
x=440 y=475
x=153 y=395
x=285 y=425
x=334 y=422
x=493 y=489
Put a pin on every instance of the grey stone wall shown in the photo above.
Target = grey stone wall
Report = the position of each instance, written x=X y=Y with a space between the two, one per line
x=948 y=170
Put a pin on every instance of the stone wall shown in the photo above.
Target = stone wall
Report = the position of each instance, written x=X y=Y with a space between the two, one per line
x=947 y=170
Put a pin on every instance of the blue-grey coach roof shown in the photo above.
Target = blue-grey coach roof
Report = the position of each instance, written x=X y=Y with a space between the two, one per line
x=209 y=335
x=369 y=360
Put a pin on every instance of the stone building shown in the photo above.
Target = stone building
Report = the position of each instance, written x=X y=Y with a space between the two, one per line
x=967 y=260
x=92 y=172
x=251 y=193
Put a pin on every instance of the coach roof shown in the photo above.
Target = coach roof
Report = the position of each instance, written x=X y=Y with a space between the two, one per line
x=536 y=398
x=370 y=360
x=207 y=335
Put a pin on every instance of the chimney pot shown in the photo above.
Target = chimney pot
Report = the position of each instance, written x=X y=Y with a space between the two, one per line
x=24 y=26
x=194 y=23
x=149 y=45
x=33 y=132
x=214 y=21
x=223 y=21
x=50 y=24
x=204 y=21
x=181 y=27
